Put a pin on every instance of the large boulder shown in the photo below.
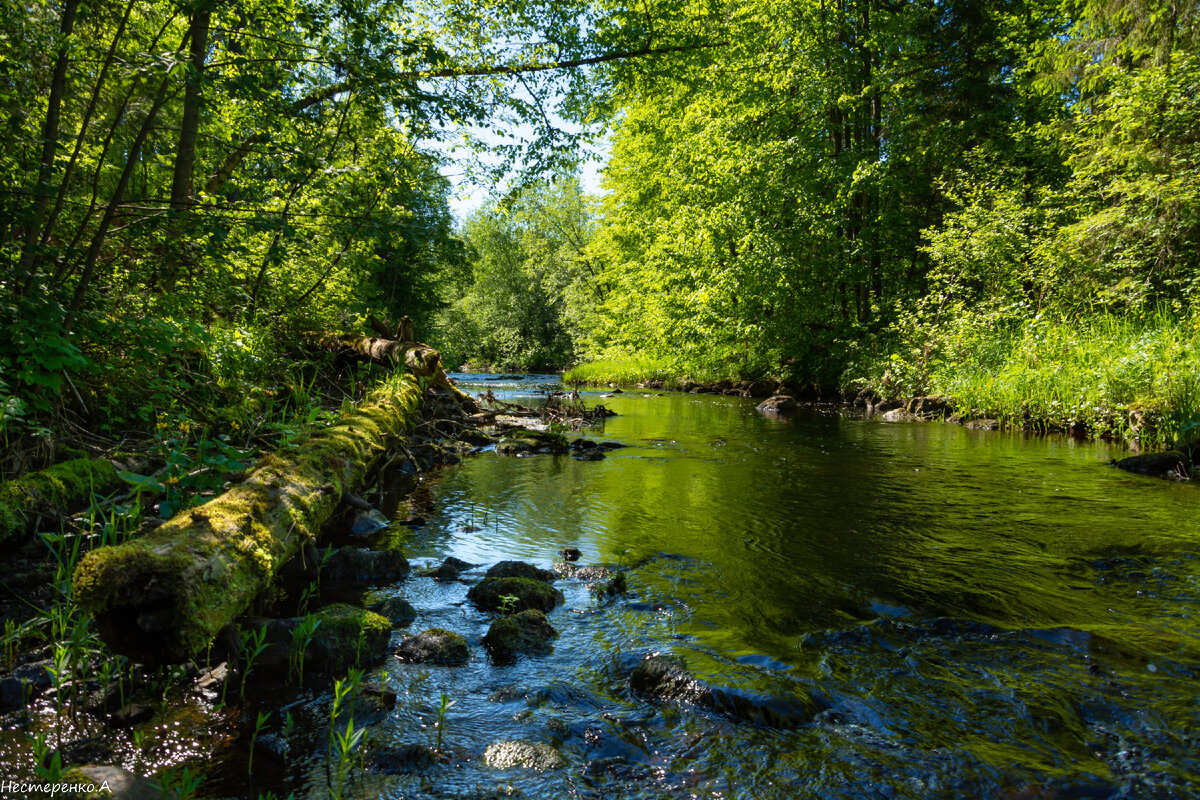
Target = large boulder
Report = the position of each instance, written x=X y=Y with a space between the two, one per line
x=527 y=632
x=434 y=646
x=777 y=404
x=519 y=569
x=529 y=593
x=1171 y=464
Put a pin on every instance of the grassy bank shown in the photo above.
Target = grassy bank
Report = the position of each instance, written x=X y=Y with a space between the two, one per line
x=1120 y=376
x=621 y=371
x=1133 y=377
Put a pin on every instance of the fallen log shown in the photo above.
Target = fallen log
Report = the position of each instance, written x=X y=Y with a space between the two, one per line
x=419 y=359
x=26 y=500
x=162 y=598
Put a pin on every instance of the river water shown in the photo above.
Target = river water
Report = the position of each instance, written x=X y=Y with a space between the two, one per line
x=884 y=611
x=904 y=610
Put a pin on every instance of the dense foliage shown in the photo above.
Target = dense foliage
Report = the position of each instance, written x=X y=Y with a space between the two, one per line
x=185 y=184
x=892 y=195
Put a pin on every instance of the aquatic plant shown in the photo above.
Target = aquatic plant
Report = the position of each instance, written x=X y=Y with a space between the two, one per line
x=302 y=634
x=179 y=783
x=260 y=722
x=442 y=716
x=252 y=646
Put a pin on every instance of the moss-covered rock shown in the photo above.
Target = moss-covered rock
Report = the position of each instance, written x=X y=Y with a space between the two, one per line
x=60 y=488
x=528 y=755
x=348 y=637
x=397 y=610
x=527 y=632
x=529 y=593
x=519 y=569
x=434 y=646
x=520 y=442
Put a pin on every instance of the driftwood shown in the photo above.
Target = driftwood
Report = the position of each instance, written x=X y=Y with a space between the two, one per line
x=163 y=597
x=26 y=500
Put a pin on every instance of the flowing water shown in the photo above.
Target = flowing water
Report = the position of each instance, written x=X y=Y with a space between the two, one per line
x=968 y=613
x=888 y=611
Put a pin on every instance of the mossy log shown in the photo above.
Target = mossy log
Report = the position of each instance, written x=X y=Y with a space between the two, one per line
x=65 y=486
x=163 y=597
x=416 y=358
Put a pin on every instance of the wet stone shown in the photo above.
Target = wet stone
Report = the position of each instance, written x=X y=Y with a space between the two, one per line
x=519 y=569
x=571 y=554
x=12 y=694
x=403 y=759
x=396 y=610
x=434 y=646
x=488 y=594
x=122 y=784
x=367 y=522
x=778 y=404
x=359 y=565
x=666 y=677
x=528 y=632
x=589 y=455
x=528 y=755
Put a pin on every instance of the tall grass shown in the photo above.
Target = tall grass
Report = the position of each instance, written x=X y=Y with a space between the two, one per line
x=620 y=370
x=1136 y=376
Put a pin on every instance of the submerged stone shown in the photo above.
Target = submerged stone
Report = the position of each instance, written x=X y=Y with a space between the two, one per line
x=528 y=755
x=122 y=784
x=434 y=646
x=519 y=569
x=527 y=632
x=360 y=565
x=529 y=593
x=401 y=760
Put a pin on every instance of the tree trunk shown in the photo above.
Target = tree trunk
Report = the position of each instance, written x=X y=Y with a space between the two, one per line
x=163 y=597
x=189 y=127
x=58 y=85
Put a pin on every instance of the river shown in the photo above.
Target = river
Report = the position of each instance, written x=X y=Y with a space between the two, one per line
x=968 y=613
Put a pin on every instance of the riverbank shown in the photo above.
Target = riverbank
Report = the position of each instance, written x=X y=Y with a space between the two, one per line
x=1110 y=377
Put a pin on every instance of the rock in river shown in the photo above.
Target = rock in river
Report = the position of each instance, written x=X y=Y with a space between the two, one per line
x=434 y=646
x=522 y=442
x=530 y=593
x=359 y=565
x=527 y=632
x=519 y=569
x=778 y=404
x=530 y=755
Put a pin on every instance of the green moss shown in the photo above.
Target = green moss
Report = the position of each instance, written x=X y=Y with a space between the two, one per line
x=529 y=593
x=163 y=597
x=348 y=636
x=61 y=487
x=521 y=441
x=526 y=632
